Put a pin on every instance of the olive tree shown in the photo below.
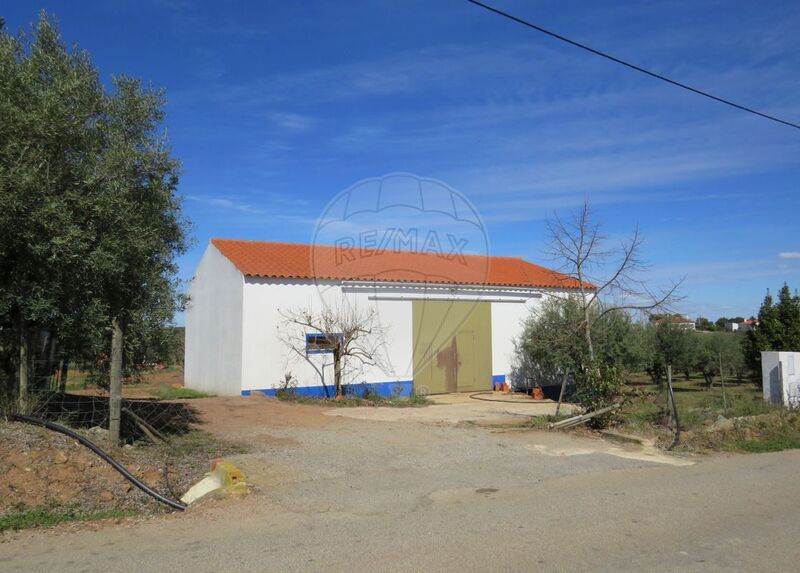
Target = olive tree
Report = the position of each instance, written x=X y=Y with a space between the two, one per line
x=551 y=341
x=717 y=354
x=90 y=217
x=50 y=100
x=602 y=273
x=140 y=226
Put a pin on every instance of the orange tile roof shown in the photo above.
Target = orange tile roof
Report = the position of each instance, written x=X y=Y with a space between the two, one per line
x=297 y=261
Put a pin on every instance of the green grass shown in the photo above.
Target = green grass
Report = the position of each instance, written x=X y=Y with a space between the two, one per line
x=760 y=427
x=170 y=393
x=48 y=516
x=73 y=385
x=770 y=444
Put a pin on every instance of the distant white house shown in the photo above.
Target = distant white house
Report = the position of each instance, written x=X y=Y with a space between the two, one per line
x=450 y=322
x=743 y=326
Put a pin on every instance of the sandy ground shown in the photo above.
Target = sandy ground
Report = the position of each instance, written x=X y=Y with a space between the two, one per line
x=338 y=493
x=41 y=468
x=488 y=409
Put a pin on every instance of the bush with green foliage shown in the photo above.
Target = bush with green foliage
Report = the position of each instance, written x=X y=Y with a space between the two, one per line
x=92 y=238
x=551 y=346
x=702 y=323
x=551 y=343
x=667 y=345
x=714 y=351
x=597 y=387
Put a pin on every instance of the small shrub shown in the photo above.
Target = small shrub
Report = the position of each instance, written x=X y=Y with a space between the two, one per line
x=414 y=400
x=750 y=406
x=368 y=392
x=286 y=388
x=693 y=418
x=598 y=387
x=285 y=393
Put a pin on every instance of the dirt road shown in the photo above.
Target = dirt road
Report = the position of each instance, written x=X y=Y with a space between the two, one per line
x=345 y=494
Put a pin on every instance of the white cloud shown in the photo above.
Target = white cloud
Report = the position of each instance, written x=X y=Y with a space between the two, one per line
x=789 y=255
x=293 y=121
x=276 y=214
x=226 y=203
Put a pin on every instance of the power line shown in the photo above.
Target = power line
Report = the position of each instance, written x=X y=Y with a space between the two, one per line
x=628 y=64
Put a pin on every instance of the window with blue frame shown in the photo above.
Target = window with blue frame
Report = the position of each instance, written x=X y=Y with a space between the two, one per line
x=319 y=343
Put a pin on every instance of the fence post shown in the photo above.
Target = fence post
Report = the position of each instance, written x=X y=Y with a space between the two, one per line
x=674 y=406
x=115 y=385
x=722 y=381
x=62 y=377
x=24 y=363
x=561 y=393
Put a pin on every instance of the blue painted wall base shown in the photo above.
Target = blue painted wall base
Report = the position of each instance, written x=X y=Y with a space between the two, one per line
x=402 y=388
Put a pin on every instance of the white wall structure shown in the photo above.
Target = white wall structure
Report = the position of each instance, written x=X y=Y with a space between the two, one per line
x=780 y=376
x=213 y=360
x=236 y=327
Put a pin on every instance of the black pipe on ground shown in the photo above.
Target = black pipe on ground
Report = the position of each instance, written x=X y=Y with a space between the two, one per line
x=111 y=461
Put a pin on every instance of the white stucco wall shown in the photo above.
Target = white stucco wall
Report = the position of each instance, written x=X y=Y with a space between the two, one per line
x=266 y=356
x=213 y=355
x=507 y=324
x=780 y=372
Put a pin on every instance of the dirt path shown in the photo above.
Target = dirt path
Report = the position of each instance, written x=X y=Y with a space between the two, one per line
x=343 y=494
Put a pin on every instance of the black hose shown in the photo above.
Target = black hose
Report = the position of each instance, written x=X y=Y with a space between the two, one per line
x=475 y=396
x=114 y=463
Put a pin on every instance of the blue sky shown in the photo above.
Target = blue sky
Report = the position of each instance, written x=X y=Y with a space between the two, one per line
x=276 y=107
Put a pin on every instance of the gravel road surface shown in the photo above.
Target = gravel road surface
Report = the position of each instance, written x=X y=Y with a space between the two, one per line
x=344 y=494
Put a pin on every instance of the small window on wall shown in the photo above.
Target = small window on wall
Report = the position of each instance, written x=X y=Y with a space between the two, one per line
x=318 y=343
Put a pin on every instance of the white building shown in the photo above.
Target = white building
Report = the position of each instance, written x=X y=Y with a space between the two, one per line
x=450 y=321
x=780 y=377
x=743 y=326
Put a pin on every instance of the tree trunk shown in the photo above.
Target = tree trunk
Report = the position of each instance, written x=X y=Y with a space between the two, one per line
x=115 y=386
x=337 y=372
x=62 y=377
x=23 y=366
x=588 y=334
x=51 y=362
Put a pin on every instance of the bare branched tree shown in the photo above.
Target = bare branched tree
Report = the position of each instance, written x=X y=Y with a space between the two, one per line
x=602 y=272
x=353 y=336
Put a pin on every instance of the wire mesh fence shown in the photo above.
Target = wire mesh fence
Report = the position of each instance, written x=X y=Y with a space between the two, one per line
x=140 y=418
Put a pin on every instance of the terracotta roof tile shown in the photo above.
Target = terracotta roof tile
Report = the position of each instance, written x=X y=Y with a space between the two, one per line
x=297 y=261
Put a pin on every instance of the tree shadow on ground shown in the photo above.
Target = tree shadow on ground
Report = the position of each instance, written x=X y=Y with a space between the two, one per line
x=79 y=411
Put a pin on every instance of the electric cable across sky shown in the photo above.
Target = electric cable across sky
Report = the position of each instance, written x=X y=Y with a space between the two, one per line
x=607 y=56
